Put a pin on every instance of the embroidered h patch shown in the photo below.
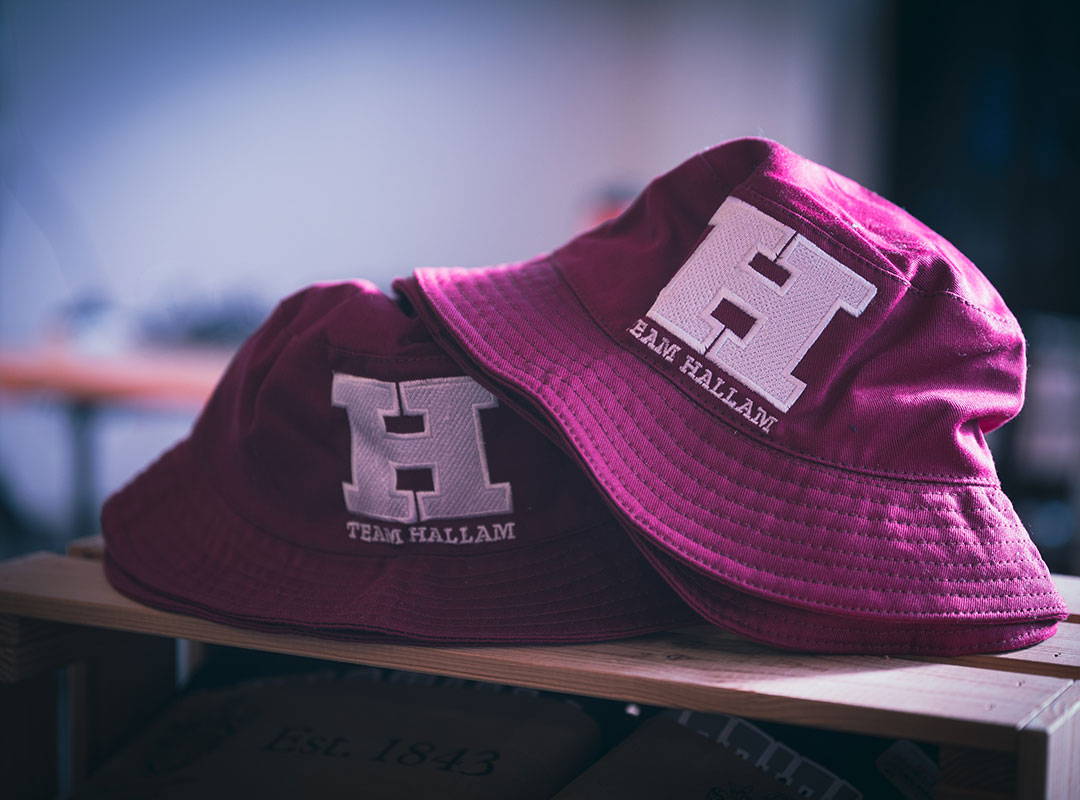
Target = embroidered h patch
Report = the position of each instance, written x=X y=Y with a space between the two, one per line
x=755 y=296
x=450 y=444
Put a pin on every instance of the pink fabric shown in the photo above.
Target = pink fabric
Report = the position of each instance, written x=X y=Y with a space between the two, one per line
x=245 y=521
x=873 y=497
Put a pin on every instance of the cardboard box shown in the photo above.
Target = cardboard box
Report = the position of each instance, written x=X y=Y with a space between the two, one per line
x=353 y=739
x=663 y=759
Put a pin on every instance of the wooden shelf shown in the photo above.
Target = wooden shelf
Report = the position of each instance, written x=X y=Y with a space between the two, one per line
x=1024 y=704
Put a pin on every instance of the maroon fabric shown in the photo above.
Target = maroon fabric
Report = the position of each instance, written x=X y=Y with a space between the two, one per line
x=245 y=522
x=871 y=497
x=936 y=357
x=754 y=616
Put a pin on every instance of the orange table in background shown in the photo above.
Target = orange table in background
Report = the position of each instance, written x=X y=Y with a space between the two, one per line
x=165 y=379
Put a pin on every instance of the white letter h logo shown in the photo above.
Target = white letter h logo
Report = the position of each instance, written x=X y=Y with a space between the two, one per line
x=788 y=315
x=451 y=445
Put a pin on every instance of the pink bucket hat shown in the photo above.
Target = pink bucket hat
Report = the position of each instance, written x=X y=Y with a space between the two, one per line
x=781 y=382
x=346 y=479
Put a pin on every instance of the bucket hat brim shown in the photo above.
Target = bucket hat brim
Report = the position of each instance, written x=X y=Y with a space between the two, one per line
x=734 y=510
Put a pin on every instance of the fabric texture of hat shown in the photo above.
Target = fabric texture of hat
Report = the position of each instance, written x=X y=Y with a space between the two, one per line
x=346 y=479
x=781 y=382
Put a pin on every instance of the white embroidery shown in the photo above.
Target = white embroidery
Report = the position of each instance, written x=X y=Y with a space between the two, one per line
x=451 y=445
x=788 y=318
x=423 y=534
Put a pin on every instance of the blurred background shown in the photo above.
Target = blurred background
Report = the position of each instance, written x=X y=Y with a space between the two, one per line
x=169 y=170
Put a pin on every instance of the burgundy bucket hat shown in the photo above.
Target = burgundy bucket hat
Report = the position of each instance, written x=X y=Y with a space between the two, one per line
x=346 y=479
x=781 y=382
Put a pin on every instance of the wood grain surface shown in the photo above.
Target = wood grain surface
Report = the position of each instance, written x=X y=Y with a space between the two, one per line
x=702 y=668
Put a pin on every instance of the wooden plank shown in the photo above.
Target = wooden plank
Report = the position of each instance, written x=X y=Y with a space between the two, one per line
x=29 y=647
x=92 y=547
x=1069 y=586
x=1058 y=656
x=63 y=645
x=28 y=756
x=1049 y=750
x=20 y=630
x=703 y=669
